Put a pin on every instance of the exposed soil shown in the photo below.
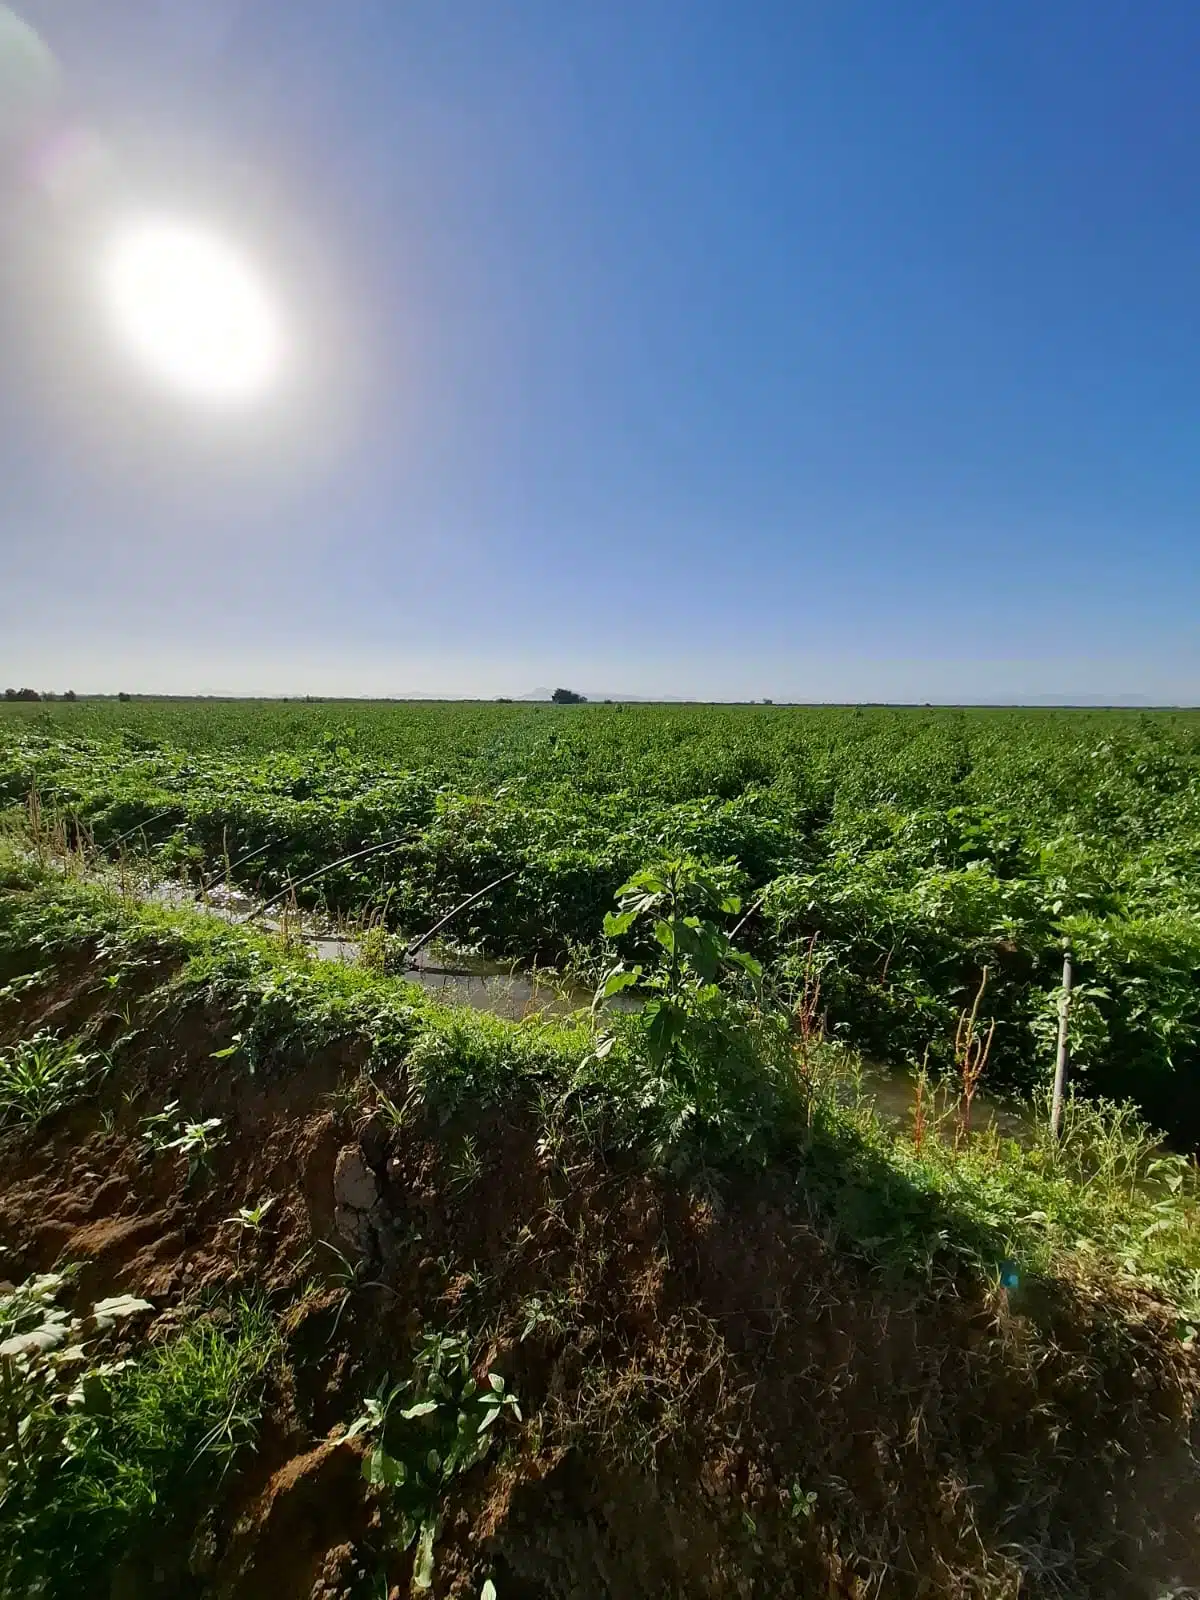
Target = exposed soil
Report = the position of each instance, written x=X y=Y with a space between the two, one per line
x=691 y=1365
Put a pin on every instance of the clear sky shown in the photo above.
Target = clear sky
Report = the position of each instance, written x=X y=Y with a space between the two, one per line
x=835 y=350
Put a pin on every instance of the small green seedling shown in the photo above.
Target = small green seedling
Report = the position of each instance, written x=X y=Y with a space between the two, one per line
x=803 y=1502
x=548 y=1312
x=251 y=1218
x=467 y=1166
x=166 y=1131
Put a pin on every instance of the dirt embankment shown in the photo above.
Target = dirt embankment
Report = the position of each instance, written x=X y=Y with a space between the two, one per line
x=716 y=1401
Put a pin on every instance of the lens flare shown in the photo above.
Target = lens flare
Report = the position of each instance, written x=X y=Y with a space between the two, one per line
x=29 y=77
x=192 y=311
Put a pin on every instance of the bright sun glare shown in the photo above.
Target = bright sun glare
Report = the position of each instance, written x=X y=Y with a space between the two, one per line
x=192 y=310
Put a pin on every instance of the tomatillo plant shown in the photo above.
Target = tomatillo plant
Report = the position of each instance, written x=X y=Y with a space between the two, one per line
x=678 y=898
x=692 y=1062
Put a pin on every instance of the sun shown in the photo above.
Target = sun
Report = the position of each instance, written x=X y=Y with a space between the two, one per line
x=192 y=311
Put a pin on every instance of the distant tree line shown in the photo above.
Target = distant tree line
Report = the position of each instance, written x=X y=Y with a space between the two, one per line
x=32 y=694
x=567 y=697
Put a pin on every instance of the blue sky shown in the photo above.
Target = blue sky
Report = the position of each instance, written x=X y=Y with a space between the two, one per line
x=829 y=351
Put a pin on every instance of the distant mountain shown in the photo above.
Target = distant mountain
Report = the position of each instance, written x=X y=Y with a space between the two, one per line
x=622 y=699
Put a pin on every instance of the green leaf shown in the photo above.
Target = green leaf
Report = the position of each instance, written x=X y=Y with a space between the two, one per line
x=421 y=1409
x=618 y=922
x=422 y=1577
x=661 y=1030
x=488 y=1592
x=383 y=1471
x=648 y=881
x=616 y=981
x=106 y=1312
x=48 y=1337
x=496 y=1381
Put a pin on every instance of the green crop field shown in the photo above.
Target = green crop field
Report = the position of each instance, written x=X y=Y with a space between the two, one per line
x=918 y=846
x=313 y=1272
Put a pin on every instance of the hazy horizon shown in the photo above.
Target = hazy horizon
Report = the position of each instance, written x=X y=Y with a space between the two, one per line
x=829 y=681
x=1081 y=702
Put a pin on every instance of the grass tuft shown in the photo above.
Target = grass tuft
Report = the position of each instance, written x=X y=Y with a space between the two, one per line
x=43 y=1075
x=111 y=1466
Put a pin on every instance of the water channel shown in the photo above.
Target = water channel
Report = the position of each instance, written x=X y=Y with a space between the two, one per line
x=514 y=993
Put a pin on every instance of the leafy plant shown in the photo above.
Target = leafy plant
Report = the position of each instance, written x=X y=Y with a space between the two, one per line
x=548 y=1311
x=150 y=1440
x=350 y=1275
x=678 y=899
x=693 y=1047
x=51 y=1381
x=42 y=1076
x=423 y=1433
x=165 y=1131
x=97 y=1445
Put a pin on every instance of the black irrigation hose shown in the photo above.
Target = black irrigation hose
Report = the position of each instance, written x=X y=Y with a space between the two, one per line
x=139 y=827
x=356 y=855
x=755 y=907
x=207 y=883
x=418 y=944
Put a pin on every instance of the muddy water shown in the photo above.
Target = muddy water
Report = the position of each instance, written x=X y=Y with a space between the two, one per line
x=472 y=981
x=505 y=991
x=894 y=1091
x=513 y=993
